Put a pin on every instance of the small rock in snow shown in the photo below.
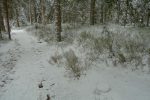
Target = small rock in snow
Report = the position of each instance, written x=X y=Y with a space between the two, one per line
x=41 y=85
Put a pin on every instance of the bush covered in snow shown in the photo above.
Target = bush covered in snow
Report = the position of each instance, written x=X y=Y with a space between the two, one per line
x=47 y=32
x=125 y=48
x=98 y=44
x=72 y=63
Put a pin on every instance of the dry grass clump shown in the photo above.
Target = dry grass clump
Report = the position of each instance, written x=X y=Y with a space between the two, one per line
x=72 y=63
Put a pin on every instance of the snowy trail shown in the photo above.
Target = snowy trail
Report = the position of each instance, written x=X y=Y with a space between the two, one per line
x=28 y=70
x=100 y=83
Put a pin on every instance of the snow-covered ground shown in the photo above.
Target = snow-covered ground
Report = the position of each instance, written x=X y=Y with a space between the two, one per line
x=30 y=67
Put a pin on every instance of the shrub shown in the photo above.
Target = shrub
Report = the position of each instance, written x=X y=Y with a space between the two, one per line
x=68 y=37
x=101 y=44
x=121 y=58
x=72 y=63
x=56 y=58
x=83 y=36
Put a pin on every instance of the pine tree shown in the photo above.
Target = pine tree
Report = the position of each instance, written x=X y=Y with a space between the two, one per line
x=58 y=19
x=7 y=17
x=92 y=12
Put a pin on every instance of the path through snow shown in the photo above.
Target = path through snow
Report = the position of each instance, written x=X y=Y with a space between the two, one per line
x=29 y=68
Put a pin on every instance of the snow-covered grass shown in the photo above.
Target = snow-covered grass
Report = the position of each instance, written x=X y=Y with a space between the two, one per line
x=47 y=32
x=113 y=44
x=122 y=49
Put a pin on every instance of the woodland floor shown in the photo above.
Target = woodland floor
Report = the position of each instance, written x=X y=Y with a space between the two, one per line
x=24 y=65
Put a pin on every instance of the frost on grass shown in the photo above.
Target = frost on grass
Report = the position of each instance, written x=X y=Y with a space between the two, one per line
x=72 y=63
x=121 y=47
x=93 y=45
x=47 y=33
x=68 y=59
x=56 y=58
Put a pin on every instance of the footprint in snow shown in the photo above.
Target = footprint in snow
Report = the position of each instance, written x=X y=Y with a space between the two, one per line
x=101 y=92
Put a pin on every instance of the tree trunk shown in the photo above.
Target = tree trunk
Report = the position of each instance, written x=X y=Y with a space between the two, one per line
x=102 y=14
x=2 y=15
x=1 y=20
x=105 y=13
x=30 y=11
x=2 y=23
x=7 y=17
x=148 y=17
x=126 y=12
x=34 y=9
x=43 y=11
x=0 y=34
x=17 y=17
x=58 y=20
x=92 y=12
x=118 y=11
